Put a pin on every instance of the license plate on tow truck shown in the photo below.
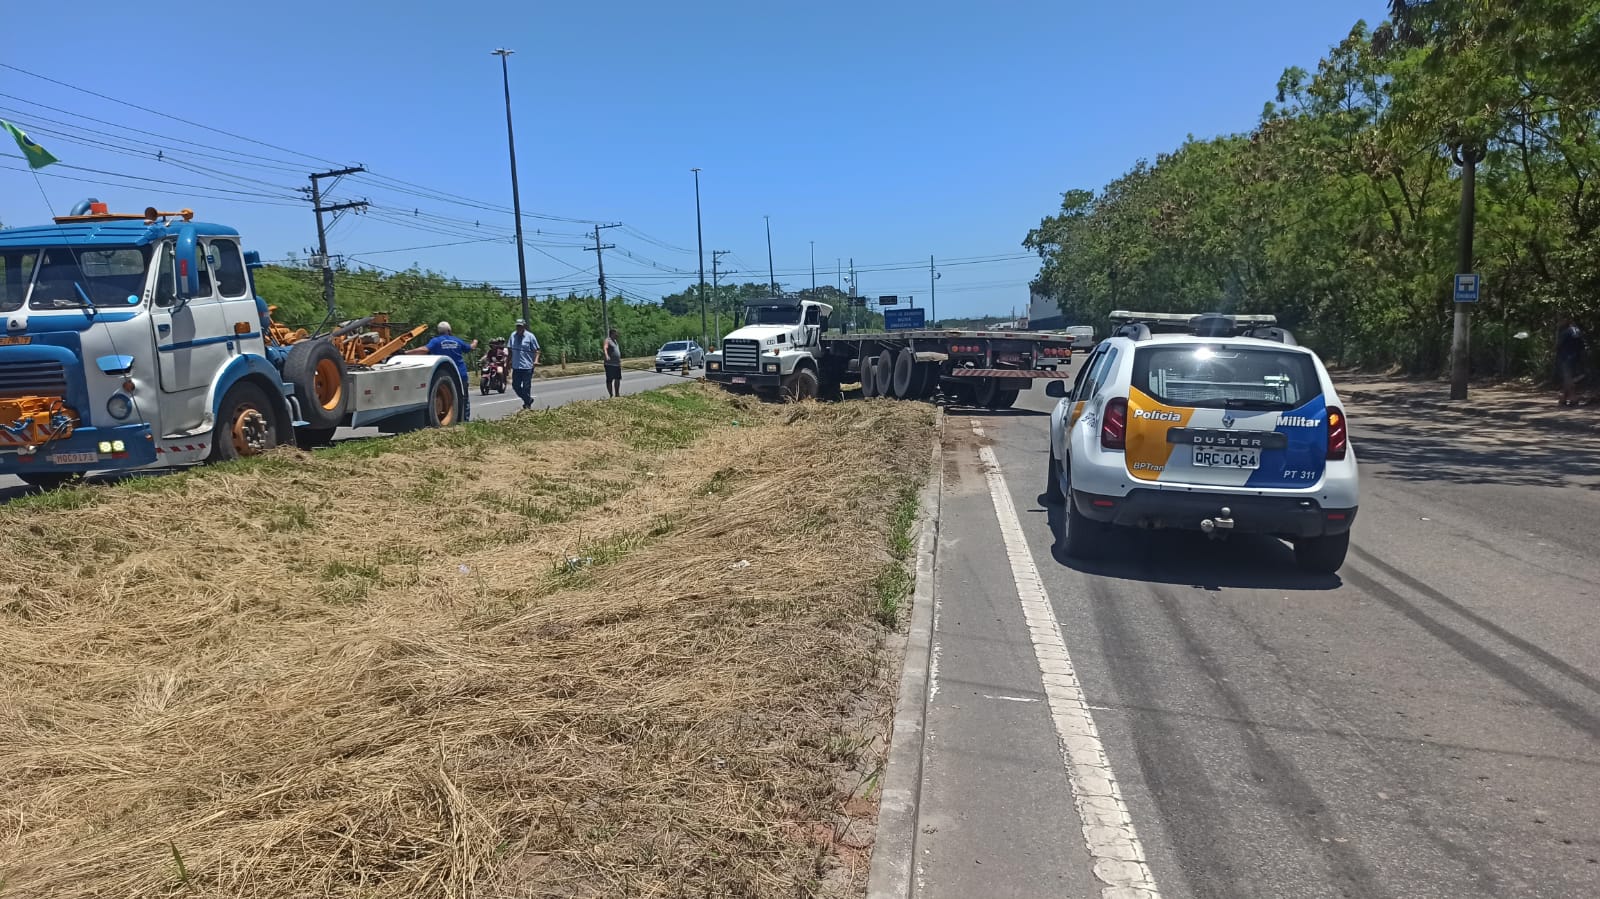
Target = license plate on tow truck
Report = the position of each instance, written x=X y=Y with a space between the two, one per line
x=1232 y=458
x=74 y=458
x=740 y=379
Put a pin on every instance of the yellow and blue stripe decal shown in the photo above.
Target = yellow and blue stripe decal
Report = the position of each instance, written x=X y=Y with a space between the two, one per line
x=1294 y=460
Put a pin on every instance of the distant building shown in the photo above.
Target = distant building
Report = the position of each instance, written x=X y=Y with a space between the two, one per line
x=1043 y=313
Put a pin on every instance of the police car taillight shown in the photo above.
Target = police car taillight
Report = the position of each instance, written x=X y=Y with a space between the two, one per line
x=1114 y=425
x=1338 y=437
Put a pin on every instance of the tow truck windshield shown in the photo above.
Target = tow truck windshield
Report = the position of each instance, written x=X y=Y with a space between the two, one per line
x=772 y=315
x=71 y=278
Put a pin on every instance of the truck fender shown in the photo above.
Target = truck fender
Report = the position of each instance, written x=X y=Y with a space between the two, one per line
x=258 y=369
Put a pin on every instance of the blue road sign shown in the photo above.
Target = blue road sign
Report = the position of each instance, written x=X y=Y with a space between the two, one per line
x=903 y=319
x=1466 y=288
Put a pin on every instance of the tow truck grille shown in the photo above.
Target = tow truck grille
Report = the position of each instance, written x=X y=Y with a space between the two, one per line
x=32 y=379
x=741 y=355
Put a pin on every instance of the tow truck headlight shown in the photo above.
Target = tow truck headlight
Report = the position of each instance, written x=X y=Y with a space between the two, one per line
x=714 y=365
x=770 y=367
x=105 y=447
x=119 y=406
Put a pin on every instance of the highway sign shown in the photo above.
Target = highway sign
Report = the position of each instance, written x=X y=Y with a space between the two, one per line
x=1466 y=288
x=903 y=319
x=888 y=301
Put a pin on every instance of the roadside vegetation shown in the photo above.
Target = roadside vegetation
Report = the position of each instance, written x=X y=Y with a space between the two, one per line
x=623 y=648
x=1338 y=212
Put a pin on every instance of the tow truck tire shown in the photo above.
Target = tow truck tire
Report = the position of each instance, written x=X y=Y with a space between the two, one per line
x=48 y=480
x=1322 y=555
x=1004 y=399
x=885 y=370
x=247 y=424
x=317 y=371
x=444 y=401
x=869 y=378
x=906 y=382
x=802 y=385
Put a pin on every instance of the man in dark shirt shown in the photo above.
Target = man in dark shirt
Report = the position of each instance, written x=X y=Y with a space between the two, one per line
x=447 y=344
x=1571 y=348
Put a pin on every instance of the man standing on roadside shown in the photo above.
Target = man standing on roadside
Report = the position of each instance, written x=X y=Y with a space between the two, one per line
x=613 y=352
x=447 y=344
x=524 y=349
x=1571 y=347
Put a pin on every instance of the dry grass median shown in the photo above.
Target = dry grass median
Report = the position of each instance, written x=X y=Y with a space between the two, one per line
x=610 y=650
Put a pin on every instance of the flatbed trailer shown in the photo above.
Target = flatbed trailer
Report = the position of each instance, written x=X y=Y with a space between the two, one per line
x=972 y=368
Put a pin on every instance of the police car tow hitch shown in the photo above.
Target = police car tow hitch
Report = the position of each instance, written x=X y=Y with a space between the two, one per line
x=1223 y=522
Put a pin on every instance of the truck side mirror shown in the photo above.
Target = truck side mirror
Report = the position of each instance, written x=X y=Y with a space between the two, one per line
x=1055 y=388
x=187 y=260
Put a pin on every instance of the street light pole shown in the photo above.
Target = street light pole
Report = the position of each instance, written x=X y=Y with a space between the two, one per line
x=700 y=243
x=516 y=199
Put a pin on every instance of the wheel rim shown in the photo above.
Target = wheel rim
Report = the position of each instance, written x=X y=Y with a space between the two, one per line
x=250 y=431
x=444 y=403
x=327 y=384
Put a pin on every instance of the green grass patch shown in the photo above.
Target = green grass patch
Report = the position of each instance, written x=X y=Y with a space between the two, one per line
x=894 y=583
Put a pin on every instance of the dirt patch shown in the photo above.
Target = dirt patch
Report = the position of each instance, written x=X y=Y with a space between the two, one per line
x=619 y=649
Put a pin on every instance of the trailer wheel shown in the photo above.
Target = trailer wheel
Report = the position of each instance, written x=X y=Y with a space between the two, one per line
x=1004 y=399
x=444 y=401
x=317 y=370
x=246 y=424
x=885 y=370
x=906 y=382
x=869 y=378
x=929 y=388
x=802 y=385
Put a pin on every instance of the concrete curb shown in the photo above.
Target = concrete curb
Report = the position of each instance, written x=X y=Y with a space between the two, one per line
x=894 y=849
x=1532 y=421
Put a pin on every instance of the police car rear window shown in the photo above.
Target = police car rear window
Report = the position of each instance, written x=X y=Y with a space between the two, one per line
x=1225 y=377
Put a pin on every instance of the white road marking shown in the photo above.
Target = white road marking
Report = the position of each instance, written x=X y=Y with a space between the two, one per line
x=1108 y=832
x=1011 y=698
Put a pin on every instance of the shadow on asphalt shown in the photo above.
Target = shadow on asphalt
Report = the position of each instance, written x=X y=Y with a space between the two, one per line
x=1244 y=561
x=1476 y=452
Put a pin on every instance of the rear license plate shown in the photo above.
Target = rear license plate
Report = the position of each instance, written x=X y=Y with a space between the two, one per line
x=1208 y=458
x=740 y=379
x=74 y=458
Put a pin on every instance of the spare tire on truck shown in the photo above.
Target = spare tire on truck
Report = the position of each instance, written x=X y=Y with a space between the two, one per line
x=317 y=370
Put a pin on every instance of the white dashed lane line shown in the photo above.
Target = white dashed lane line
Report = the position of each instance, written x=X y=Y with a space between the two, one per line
x=1108 y=831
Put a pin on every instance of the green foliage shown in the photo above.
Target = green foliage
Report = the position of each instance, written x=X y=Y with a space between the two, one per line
x=1339 y=211
x=569 y=325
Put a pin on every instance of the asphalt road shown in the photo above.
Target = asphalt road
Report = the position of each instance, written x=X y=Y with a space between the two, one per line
x=1426 y=723
x=548 y=394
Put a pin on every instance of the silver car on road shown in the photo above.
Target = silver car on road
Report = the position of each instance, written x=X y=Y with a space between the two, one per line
x=681 y=354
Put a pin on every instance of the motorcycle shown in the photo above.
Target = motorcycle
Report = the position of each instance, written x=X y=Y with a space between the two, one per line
x=492 y=372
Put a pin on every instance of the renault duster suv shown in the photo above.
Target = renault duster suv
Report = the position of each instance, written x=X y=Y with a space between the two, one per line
x=1214 y=423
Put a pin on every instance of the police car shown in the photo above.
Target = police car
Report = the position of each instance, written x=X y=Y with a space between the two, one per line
x=1214 y=423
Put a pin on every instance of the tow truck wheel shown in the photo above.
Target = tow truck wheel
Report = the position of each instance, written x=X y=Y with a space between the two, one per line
x=48 y=480
x=317 y=370
x=444 y=401
x=245 y=424
x=802 y=385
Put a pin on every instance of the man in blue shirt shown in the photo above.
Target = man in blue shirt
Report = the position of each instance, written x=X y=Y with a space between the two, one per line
x=524 y=349
x=447 y=344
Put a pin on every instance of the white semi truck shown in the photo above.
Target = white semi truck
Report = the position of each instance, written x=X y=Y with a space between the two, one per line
x=785 y=350
x=138 y=341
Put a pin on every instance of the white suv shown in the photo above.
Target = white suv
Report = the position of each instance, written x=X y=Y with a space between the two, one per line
x=1213 y=423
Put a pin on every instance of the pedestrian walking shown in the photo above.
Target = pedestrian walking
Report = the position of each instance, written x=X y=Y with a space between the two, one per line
x=445 y=343
x=524 y=349
x=613 y=351
x=1571 y=352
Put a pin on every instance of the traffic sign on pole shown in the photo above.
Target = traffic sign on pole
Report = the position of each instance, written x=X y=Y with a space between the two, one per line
x=903 y=319
x=1467 y=288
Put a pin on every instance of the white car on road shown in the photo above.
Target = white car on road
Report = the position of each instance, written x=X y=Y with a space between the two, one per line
x=1213 y=423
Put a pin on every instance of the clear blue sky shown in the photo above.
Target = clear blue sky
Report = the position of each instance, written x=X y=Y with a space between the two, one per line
x=885 y=131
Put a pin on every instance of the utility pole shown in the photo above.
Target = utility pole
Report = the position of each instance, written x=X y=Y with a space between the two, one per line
x=853 y=292
x=813 y=269
x=933 y=292
x=322 y=231
x=600 y=262
x=716 y=303
x=516 y=198
x=1461 y=339
x=700 y=243
x=772 y=276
